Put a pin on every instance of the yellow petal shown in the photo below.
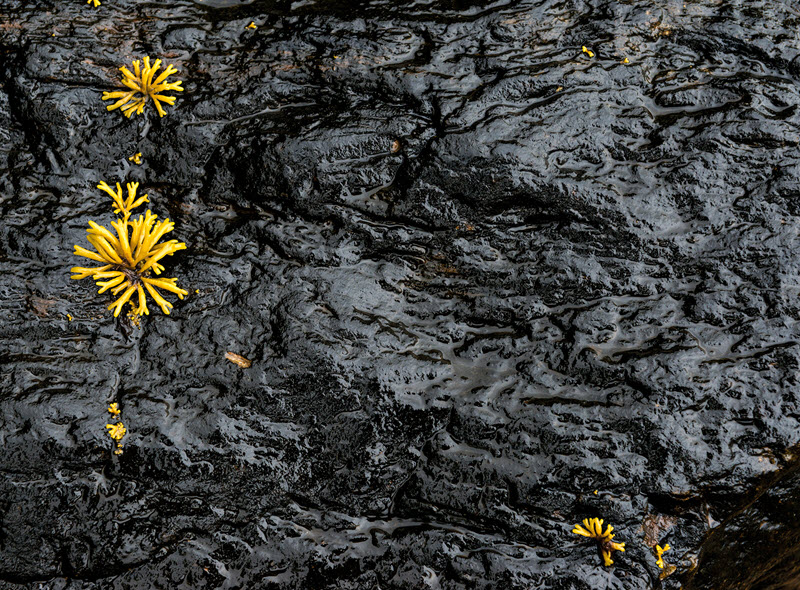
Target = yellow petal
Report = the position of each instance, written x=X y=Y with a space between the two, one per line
x=116 y=94
x=597 y=527
x=127 y=73
x=124 y=247
x=104 y=248
x=83 y=272
x=168 y=284
x=142 y=309
x=159 y=108
x=101 y=231
x=132 y=188
x=160 y=228
x=132 y=84
x=139 y=237
x=117 y=305
x=163 y=75
x=106 y=285
x=79 y=251
x=139 y=201
x=170 y=100
x=162 y=303
x=121 y=102
x=166 y=249
x=579 y=530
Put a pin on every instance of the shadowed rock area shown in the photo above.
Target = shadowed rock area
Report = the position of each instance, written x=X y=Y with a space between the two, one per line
x=490 y=285
x=764 y=534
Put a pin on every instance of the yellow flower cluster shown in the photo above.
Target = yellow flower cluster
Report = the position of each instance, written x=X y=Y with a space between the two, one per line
x=116 y=430
x=131 y=256
x=593 y=529
x=142 y=87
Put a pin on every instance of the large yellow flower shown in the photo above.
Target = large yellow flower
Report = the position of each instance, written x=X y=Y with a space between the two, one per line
x=143 y=87
x=593 y=529
x=132 y=256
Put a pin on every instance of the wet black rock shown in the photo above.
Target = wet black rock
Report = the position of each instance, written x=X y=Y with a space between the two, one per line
x=490 y=285
x=759 y=546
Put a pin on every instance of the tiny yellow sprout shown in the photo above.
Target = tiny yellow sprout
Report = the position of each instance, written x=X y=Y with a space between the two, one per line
x=96 y=2
x=142 y=87
x=116 y=431
x=659 y=554
x=136 y=158
x=593 y=529
x=587 y=51
x=131 y=257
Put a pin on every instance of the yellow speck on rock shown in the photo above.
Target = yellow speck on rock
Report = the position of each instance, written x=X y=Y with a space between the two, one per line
x=116 y=430
x=626 y=61
x=136 y=158
x=252 y=25
x=587 y=51
x=69 y=317
x=96 y=2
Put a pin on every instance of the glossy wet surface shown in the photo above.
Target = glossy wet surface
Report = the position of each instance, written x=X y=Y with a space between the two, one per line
x=490 y=284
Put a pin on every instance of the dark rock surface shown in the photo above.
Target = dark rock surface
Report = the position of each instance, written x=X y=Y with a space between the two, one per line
x=490 y=286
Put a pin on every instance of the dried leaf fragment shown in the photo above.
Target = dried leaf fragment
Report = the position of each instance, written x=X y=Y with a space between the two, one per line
x=238 y=359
